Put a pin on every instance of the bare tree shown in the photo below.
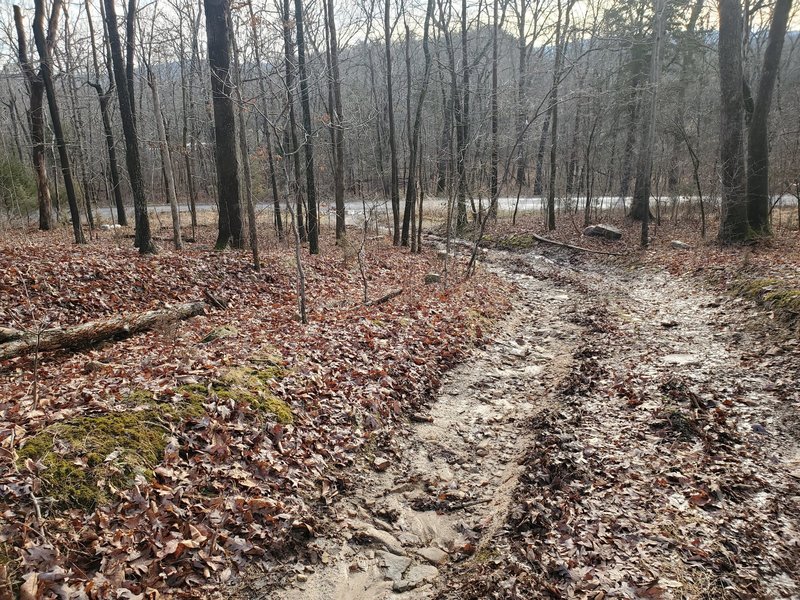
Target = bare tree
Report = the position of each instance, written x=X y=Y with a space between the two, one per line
x=143 y=236
x=44 y=46
x=35 y=85
x=308 y=145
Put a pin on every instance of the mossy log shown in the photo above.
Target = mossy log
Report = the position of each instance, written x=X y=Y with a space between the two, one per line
x=86 y=334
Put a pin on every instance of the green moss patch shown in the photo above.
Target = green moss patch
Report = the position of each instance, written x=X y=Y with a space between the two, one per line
x=252 y=385
x=772 y=293
x=84 y=460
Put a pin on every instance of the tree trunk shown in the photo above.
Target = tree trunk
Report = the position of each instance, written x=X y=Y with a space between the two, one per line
x=493 y=182
x=143 y=238
x=733 y=224
x=336 y=123
x=394 y=185
x=411 y=182
x=262 y=88
x=36 y=125
x=758 y=205
x=225 y=152
x=245 y=152
x=293 y=148
x=551 y=191
x=538 y=177
x=44 y=48
x=166 y=161
x=645 y=161
x=308 y=145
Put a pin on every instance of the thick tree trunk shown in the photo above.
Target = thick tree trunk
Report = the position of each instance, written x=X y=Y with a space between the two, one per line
x=44 y=48
x=94 y=331
x=36 y=125
x=758 y=204
x=733 y=224
x=493 y=181
x=225 y=152
x=308 y=145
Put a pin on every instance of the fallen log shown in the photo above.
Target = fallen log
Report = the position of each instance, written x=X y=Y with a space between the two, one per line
x=86 y=334
x=385 y=298
x=545 y=240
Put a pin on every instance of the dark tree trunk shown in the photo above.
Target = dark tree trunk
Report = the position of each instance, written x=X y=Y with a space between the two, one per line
x=143 y=238
x=104 y=98
x=493 y=182
x=394 y=185
x=538 y=177
x=305 y=105
x=36 y=124
x=44 y=48
x=130 y=51
x=758 y=204
x=225 y=152
x=733 y=224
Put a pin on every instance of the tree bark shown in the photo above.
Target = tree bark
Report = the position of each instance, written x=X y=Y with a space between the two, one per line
x=44 y=47
x=36 y=125
x=143 y=237
x=733 y=223
x=225 y=152
x=758 y=205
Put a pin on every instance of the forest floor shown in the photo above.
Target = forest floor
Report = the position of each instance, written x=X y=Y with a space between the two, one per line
x=631 y=431
x=563 y=425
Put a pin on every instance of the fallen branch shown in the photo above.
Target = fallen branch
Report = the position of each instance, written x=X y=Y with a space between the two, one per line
x=545 y=240
x=384 y=298
x=97 y=331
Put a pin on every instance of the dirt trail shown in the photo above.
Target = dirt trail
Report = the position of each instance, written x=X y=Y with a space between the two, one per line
x=625 y=434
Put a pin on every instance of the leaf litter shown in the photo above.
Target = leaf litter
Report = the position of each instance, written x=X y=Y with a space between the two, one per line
x=242 y=468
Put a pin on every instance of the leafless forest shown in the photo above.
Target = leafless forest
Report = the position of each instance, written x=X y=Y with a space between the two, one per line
x=586 y=104
x=399 y=300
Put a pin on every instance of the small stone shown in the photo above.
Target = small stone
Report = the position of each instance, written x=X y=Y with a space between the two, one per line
x=679 y=245
x=381 y=464
x=680 y=359
x=395 y=565
x=301 y=577
x=604 y=231
x=219 y=332
x=416 y=576
x=433 y=555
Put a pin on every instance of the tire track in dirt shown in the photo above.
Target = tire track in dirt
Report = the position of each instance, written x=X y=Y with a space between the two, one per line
x=397 y=532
